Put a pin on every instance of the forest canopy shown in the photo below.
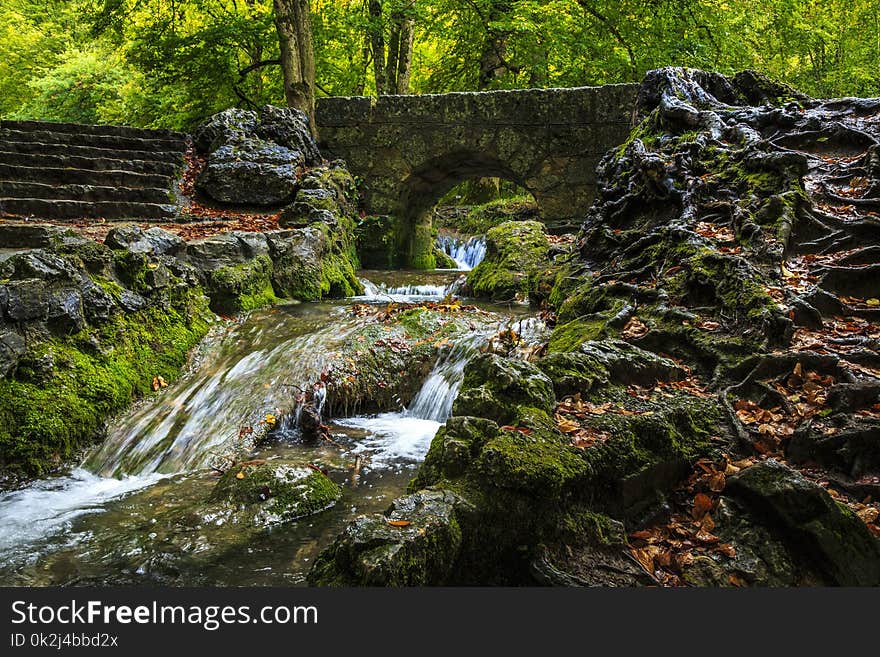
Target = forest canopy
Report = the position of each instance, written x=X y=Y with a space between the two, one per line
x=171 y=63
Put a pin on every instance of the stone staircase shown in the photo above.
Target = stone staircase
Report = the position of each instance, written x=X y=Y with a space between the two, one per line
x=66 y=171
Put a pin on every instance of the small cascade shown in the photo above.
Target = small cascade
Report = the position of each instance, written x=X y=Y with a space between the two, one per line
x=393 y=439
x=434 y=400
x=467 y=253
x=408 y=292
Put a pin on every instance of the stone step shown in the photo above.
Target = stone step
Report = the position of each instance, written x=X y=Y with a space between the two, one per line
x=170 y=169
x=84 y=129
x=95 y=141
x=175 y=157
x=61 y=210
x=87 y=193
x=71 y=176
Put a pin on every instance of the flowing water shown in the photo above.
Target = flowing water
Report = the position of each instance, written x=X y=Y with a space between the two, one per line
x=134 y=511
x=467 y=252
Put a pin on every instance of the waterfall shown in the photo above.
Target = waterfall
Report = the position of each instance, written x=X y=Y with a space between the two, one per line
x=467 y=253
x=398 y=439
x=436 y=396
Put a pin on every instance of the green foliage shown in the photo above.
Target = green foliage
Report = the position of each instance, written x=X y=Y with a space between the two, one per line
x=160 y=64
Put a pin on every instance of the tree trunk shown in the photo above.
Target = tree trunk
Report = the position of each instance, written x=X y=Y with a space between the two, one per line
x=378 y=42
x=393 y=52
x=294 y=26
x=493 y=63
x=404 y=59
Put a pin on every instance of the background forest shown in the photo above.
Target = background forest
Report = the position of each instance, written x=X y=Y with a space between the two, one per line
x=171 y=63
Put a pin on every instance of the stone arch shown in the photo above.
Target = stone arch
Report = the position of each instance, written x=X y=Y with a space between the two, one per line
x=427 y=183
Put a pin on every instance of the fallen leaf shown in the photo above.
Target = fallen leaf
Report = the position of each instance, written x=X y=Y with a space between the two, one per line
x=702 y=505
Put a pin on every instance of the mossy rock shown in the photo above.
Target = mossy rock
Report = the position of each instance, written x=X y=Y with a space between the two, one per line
x=95 y=373
x=242 y=287
x=496 y=387
x=531 y=460
x=516 y=256
x=444 y=261
x=824 y=531
x=416 y=543
x=276 y=492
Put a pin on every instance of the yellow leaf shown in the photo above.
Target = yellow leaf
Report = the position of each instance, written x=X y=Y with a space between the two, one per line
x=873 y=303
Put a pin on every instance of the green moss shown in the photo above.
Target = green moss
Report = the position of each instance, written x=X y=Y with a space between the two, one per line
x=376 y=238
x=651 y=450
x=570 y=336
x=340 y=261
x=44 y=423
x=538 y=463
x=443 y=261
x=111 y=287
x=734 y=286
x=479 y=219
x=586 y=526
x=516 y=258
x=282 y=491
x=421 y=250
x=242 y=287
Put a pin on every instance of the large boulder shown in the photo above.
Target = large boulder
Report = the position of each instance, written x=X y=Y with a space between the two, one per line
x=516 y=256
x=833 y=537
x=496 y=387
x=251 y=172
x=255 y=158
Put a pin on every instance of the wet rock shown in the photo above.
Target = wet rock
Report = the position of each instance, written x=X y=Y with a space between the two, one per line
x=97 y=303
x=455 y=447
x=42 y=265
x=420 y=550
x=297 y=256
x=25 y=300
x=12 y=348
x=28 y=236
x=131 y=301
x=215 y=252
x=838 y=542
x=269 y=493
x=311 y=205
x=241 y=287
x=65 y=310
x=154 y=241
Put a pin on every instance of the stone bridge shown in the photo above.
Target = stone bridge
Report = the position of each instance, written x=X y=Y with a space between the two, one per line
x=410 y=150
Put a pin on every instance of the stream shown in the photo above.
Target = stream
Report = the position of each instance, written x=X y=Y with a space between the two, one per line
x=130 y=512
